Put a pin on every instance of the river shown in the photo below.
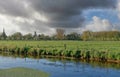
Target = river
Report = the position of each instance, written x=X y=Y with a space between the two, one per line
x=62 y=67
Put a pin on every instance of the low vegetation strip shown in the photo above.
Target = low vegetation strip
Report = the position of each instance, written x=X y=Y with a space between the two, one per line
x=22 y=72
x=91 y=50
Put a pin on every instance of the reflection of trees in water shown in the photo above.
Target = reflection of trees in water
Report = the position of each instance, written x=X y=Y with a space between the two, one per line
x=64 y=65
x=77 y=66
x=25 y=59
x=68 y=63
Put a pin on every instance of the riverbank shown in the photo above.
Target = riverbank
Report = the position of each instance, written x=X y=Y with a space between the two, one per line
x=22 y=72
x=108 y=51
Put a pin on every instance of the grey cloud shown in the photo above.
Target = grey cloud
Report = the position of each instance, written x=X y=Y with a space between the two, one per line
x=60 y=13
x=13 y=8
x=36 y=26
x=67 y=13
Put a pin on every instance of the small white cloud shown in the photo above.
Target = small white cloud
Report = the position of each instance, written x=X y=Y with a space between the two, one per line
x=99 y=25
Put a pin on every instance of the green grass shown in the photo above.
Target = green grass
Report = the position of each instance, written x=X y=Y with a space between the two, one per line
x=60 y=44
x=22 y=72
x=101 y=50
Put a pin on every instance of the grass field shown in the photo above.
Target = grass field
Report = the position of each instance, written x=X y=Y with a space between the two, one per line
x=103 y=50
x=70 y=44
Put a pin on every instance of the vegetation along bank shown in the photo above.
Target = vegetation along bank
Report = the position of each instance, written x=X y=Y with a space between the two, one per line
x=108 y=51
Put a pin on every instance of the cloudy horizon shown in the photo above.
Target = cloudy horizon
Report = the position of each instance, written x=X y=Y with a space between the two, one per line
x=44 y=16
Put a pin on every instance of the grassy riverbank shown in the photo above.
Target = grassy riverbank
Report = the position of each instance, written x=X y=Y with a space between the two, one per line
x=22 y=72
x=90 y=50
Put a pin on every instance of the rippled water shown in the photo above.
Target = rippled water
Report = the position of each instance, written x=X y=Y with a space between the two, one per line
x=63 y=68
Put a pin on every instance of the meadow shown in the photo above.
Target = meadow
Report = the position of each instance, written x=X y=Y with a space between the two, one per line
x=89 y=50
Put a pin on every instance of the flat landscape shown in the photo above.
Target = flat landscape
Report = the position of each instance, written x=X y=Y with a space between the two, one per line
x=59 y=38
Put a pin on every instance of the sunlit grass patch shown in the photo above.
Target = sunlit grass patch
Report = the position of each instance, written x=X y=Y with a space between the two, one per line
x=22 y=72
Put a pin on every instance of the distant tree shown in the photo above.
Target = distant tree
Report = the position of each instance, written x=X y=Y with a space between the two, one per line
x=8 y=38
x=101 y=36
x=86 y=35
x=53 y=37
x=73 y=36
x=17 y=36
x=60 y=34
x=41 y=36
x=28 y=36
x=47 y=37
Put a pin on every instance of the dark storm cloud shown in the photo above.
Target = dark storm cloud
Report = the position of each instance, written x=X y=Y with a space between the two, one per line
x=60 y=13
x=67 y=13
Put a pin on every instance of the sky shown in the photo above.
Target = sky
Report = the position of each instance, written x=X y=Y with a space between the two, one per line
x=45 y=16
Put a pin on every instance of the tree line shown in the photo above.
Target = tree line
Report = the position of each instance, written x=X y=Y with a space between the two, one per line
x=101 y=36
x=60 y=35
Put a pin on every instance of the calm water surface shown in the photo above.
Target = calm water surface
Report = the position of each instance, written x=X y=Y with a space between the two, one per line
x=63 y=68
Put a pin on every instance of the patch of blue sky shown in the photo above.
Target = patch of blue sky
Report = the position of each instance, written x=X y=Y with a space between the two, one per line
x=109 y=14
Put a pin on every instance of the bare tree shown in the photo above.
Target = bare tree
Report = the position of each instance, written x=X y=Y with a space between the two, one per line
x=60 y=34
